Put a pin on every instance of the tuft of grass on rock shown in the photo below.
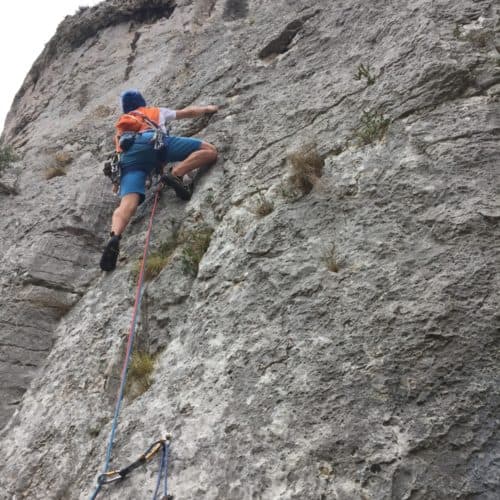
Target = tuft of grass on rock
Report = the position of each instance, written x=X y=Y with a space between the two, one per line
x=209 y=198
x=330 y=258
x=154 y=265
x=140 y=374
x=102 y=111
x=372 y=128
x=54 y=171
x=93 y=432
x=307 y=167
x=457 y=32
x=61 y=160
x=196 y=244
x=365 y=72
x=480 y=38
x=158 y=259
x=264 y=206
x=288 y=193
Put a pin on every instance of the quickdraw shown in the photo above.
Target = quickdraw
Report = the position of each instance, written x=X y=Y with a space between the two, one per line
x=162 y=445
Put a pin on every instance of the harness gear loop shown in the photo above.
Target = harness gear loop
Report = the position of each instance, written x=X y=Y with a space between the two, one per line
x=112 y=169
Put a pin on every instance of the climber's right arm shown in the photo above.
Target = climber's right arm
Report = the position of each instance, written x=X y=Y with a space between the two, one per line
x=194 y=111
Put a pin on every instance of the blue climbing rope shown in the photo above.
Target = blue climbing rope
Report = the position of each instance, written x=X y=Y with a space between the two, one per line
x=130 y=344
x=163 y=473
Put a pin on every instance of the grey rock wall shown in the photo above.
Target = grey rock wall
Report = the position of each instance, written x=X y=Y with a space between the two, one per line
x=277 y=377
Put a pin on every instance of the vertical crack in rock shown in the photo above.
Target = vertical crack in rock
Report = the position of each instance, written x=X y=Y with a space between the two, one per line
x=132 y=55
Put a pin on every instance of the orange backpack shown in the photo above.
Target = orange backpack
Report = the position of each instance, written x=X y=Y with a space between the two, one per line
x=133 y=123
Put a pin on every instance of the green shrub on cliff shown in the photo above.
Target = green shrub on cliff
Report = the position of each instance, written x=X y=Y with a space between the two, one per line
x=7 y=156
x=372 y=128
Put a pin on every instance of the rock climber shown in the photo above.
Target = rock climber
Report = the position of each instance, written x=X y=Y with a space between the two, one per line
x=136 y=130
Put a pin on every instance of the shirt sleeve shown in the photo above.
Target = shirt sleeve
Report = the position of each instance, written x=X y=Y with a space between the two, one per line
x=166 y=115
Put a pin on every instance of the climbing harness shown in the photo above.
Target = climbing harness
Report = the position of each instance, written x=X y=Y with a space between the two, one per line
x=159 y=136
x=127 y=138
x=112 y=165
x=112 y=476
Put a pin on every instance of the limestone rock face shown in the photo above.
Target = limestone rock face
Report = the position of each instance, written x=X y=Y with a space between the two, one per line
x=339 y=338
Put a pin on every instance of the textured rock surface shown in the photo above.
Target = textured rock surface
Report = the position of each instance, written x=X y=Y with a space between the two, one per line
x=276 y=377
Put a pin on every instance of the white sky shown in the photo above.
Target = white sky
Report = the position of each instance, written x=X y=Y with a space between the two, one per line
x=27 y=26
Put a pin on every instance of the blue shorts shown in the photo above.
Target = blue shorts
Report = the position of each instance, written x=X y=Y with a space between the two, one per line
x=179 y=148
x=138 y=162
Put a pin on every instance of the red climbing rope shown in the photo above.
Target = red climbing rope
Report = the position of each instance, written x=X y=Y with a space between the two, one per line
x=130 y=346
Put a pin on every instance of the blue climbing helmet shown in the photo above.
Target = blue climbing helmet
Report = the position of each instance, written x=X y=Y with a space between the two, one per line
x=131 y=99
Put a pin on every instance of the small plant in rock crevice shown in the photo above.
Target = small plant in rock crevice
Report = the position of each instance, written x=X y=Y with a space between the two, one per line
x=158 y=259
x=93 y=432
x=307 y=167
x=210 y=197
x=365 y=72
x=196 y=243
x=140 y=374
x=330 y=259
x=264 y=206
x=287 y=193
x=61 y=160
x=54 y=171
x=372 y=128
x=480 y=39
x=154 y=265
x=102 y=111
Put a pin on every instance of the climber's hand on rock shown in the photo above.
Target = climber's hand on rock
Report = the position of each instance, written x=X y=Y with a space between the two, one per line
x=211 y=108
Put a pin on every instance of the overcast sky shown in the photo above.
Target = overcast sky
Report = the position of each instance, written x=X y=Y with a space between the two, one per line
x=26 y=27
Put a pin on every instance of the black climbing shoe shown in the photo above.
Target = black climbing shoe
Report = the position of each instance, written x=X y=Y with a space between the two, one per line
x=182 y=190
x=110 y=254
